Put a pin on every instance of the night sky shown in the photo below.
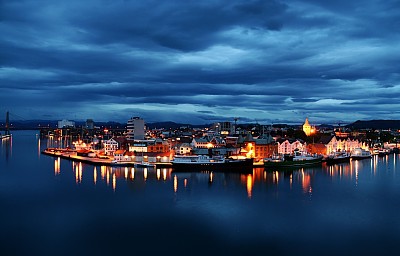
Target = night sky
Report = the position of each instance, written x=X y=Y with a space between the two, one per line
x=200 y=61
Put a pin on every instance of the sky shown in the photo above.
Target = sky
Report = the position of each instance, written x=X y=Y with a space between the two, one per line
x=200 y=61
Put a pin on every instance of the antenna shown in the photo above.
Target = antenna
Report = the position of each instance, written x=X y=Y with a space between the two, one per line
x=235 y=118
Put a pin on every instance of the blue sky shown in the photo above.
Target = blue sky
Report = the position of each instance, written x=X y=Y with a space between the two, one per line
x=201 y=61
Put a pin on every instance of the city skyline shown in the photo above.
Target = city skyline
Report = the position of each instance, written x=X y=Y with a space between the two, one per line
x=200 y=62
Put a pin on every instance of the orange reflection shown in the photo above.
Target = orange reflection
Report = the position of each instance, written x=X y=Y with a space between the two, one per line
x=305 y=181
x=158 y=174
x=57 y=166
x=114 y=182
x=103 y=172
x=175 y=183
x=95 y=175
x=164 y=174
x=108 y=177
x=185 y=181
x=211 y=177
x=145 y=173
x=78 y=173
x=249 y=185
x=126 y=172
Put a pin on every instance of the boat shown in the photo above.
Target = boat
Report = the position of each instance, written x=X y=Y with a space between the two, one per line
x=383 y=152
x=338 y=157
x=360 y=153
x=144 y=165
x=210 y=163
x=297 y=159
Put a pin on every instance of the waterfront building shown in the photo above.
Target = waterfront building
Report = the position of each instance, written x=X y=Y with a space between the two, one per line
x=337 y=144
x=110 y=146
x=286 y=146
x=66 y=124
x=158 y=146
x=264 y=147
x=135 y=129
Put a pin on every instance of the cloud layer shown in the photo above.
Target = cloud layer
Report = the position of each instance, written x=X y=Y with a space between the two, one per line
x=200 y=61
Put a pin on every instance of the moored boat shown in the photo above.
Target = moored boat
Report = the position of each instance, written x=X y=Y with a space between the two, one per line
x=360 y=153
x=337 y=157
x=298 y=159
x=383 y=152
x=215 y=163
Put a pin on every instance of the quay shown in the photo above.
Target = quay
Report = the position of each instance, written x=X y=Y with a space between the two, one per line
x=70 y=154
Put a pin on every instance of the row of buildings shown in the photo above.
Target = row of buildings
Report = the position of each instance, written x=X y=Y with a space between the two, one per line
x=140 y=144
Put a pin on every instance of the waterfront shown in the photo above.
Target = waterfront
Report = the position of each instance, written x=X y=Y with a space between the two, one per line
x=59 y=207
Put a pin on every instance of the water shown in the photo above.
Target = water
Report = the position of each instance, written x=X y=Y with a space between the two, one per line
x=52 y=206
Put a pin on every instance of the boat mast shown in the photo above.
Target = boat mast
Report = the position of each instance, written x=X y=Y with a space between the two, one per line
x=7 y=123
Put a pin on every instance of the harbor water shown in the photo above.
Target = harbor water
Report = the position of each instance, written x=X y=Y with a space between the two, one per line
x=52 y=206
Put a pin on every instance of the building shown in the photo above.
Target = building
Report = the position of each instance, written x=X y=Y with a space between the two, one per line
x=307 y=128
x=264 y=147
x=185 y=148
x=66 y=124
x=286 y=146
x=227 y=128
x=110 y=146
x=135 y=129
x=89 y=124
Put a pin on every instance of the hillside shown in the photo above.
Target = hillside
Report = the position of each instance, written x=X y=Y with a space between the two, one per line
x=376 y=124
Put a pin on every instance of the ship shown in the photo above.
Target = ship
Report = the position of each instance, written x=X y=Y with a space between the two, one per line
x=295 y=160
x=360 y=153
x=210 y=163
x=338 y=157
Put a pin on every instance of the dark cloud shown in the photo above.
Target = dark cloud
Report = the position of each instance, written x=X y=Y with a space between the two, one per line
x=200 y=61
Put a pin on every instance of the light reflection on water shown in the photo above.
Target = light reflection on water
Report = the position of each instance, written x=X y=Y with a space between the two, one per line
x=304 y=177
x=57 y=201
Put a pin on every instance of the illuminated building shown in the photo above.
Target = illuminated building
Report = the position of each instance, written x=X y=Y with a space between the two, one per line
x=307 y=128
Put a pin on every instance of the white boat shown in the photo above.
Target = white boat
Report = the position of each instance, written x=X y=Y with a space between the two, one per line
x=144 y=165
x=206 y=162
x=360 y=153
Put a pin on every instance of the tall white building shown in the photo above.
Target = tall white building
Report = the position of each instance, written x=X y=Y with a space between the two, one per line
x=135 y=129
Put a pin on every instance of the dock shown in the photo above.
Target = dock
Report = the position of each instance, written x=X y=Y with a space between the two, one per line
x=71 y=155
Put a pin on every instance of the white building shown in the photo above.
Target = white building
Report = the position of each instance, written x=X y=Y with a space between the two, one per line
x=135 y=129
x=110 y=146
x=185 y=148
x=287 y=147
x=65 y=123
x=338 y=144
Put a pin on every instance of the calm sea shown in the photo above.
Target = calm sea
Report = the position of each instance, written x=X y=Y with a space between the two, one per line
x=51 y=206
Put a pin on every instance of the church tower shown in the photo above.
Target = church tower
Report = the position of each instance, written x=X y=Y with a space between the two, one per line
x=307 y=127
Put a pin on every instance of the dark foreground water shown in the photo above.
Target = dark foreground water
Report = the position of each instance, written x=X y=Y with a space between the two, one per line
x=58 y=207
